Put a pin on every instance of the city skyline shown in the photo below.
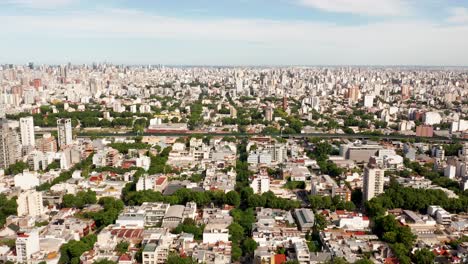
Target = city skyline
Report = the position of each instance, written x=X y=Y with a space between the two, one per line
x=302 y=32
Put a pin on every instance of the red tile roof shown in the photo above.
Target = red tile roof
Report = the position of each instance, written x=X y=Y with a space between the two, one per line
x=160 y=180
x=125 y=257
x=127 y=233
x=392 y=261
x=280 y=258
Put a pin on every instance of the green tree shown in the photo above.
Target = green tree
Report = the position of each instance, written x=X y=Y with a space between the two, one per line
x=71 y=251
x=233 y=198
x=16 y=168
x=423 y=256
x=320 y=222
x=122 y=247
x=104 y=261
x=236 y=232
x=249 y=245
x=236 y=252
x=364 y=261
x=7 y=207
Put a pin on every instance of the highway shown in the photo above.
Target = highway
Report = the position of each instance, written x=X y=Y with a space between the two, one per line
x=305 y=135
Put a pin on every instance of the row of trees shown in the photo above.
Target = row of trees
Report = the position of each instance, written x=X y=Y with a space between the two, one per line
x=195 y=118
x=400 y=238
x=158 y=162
x=327 y=202
x=80 y=200
x=397 y=196
x=182 y=196
x=16 y=168
x=7 y=207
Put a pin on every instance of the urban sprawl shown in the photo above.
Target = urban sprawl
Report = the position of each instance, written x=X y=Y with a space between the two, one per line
x=151 y=164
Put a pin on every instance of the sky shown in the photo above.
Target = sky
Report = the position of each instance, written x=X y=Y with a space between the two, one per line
x=235 y=32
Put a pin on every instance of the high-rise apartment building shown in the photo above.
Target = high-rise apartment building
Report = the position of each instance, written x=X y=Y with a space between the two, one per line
x=47 y=143
x=27 y=243
x=10 y=148
x=424 y=131
x=30 y=203
x=353 y=94
x=373 y=182
x=268 y=113
x=405 y=92
x=27 y=131
x=64 y=129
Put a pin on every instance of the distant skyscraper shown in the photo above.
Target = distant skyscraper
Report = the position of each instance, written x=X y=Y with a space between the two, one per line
x=10 y=147
x=64 y=129
x=27 y=131
x=37 y=83
x=405 y=92
x=285 y=103
x=353 y=94
x=232 y=111
x=373 y=182
x=268 y=113
x=369 y=101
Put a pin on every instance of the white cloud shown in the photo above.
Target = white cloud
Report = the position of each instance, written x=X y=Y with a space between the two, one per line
x=289 y=42
x=40 y=4
x=360 y=7
x=458 y=15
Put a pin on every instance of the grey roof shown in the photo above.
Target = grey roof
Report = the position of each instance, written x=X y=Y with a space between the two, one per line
x=175 y=211
x=172 y=188
x=305 y=216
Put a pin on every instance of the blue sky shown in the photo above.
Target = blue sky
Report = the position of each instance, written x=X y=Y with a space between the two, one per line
x=235 y=32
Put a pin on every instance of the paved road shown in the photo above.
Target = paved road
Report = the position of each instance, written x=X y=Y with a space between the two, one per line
x=323 y=135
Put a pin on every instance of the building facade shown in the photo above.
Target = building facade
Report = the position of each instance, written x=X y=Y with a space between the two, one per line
x=373 y=182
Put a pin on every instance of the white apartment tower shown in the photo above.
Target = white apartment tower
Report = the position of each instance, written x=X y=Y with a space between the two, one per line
x=27 y=243
x=64 y=129
x=27 y=131
x=30 y=203
x=373 y=182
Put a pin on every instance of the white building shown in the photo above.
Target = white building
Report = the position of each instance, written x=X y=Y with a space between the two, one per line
x=260 y=184
x=27 y=131
x=30 y=203
x=440 y=214
x=216 y=232
x=432 y=118
x=460 y=125
x=368 y=101
x=26 y=180
x=64 y=128
x=27 y=244
x=302 y=252
x=354 y=222
x=450 y=171
x=145 y=183
x=373 y=183
x=133 y=218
